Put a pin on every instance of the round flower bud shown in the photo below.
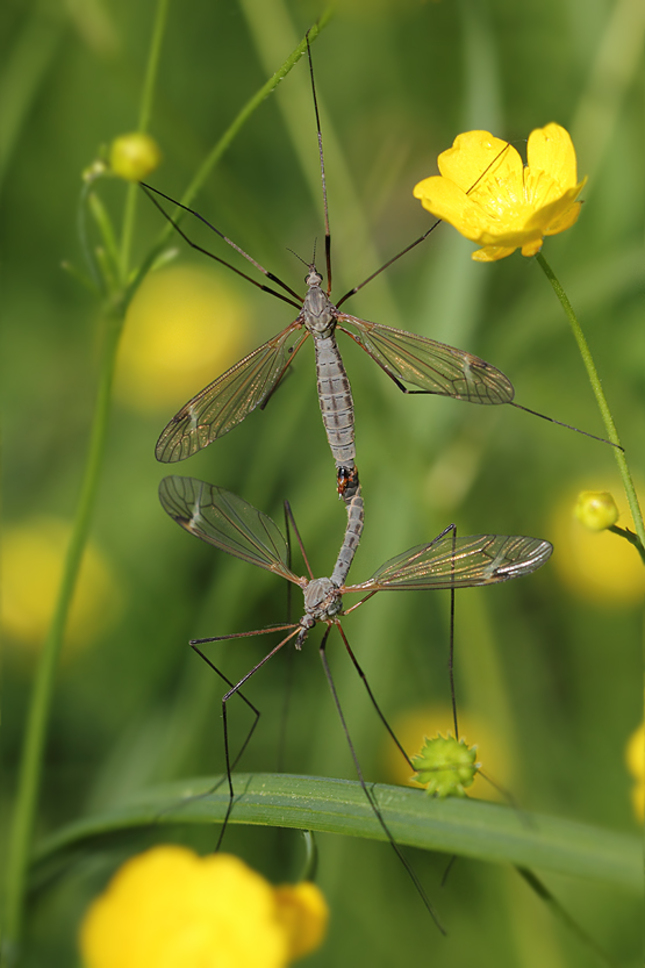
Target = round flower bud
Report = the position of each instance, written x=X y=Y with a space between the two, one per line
x=596 y=510
x=446 y=766
x=134 y=156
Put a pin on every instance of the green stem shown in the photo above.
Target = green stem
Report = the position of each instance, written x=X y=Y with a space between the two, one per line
x=31 y=767
x=32 y=757
x=601 y=400
x=629 y=536
x=565 y=918
x=145 y=112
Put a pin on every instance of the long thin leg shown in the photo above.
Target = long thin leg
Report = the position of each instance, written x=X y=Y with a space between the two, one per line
x=290 y=518
x=368 y=793
x=148 y=189
x=451 y=651
x=380 y=713
x=289 y=671
x=386 y=265
x=235 y=689
x=560 y=423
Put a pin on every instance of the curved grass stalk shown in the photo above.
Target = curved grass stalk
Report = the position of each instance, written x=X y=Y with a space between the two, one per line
x=601 y=400
x=115 y=308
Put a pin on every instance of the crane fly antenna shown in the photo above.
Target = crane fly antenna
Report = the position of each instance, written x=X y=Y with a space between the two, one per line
x=211 y=255
x=322 y=168
x=370 y=793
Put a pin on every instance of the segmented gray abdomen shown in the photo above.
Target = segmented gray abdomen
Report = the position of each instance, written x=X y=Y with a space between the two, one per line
x=336 y=404
x=353 y=531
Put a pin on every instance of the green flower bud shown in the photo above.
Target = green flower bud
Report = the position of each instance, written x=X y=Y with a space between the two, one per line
x=446 y=766
x=596 y=510
x=134 y=156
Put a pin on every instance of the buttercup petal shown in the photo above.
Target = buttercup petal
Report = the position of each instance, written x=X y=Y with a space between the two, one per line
x=532 y=248
x=550 y=149
x=443 y=198
x=564 y=221
x=492 y=253
x=478 y=155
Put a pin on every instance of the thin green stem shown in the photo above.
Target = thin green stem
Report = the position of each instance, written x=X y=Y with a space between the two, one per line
x=145 y=112
x=601 y=400
x=565 y=918
x=629 y=536
x=32 y=758
x=31 y=766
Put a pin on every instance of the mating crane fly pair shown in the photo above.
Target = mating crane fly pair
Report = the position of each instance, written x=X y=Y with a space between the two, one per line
x=417 y=365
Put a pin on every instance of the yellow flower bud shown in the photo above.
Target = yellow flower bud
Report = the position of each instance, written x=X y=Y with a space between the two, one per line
x=134 y=156
x=596 y=510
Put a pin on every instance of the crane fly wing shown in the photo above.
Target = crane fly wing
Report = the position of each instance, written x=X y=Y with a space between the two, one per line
x=229 y=399
x=432 y=367
x=482 y=559
x=226 y=521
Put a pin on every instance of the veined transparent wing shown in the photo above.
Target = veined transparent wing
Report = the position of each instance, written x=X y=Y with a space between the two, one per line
x=229 y=399
x=482 y=559
x=226 y=521
x=432 y=367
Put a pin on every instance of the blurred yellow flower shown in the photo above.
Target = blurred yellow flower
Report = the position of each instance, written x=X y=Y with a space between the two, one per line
x=182 y=329
x=492 y=198
x=596 y=510
x=635 y=758
x=598 y=566
x=169 y=908
x=32 y=564
x=134 y=156
x=303 y=912
x=412 y=727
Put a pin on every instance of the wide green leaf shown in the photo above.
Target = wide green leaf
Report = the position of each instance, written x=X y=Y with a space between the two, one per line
x=472 y=828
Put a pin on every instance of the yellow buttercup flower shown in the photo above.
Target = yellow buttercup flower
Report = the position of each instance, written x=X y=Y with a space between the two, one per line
x=492 y=198
x=32 y=565
x=170 y=908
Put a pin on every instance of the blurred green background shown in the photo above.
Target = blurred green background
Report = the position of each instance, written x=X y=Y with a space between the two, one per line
x=548 y=668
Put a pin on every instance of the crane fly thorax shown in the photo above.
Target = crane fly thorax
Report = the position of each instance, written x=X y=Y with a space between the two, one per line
x=322 y=599
x=318 y=313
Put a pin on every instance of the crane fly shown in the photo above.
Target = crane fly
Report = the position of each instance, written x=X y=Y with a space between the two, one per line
x=416 y=364
x=447 y=562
